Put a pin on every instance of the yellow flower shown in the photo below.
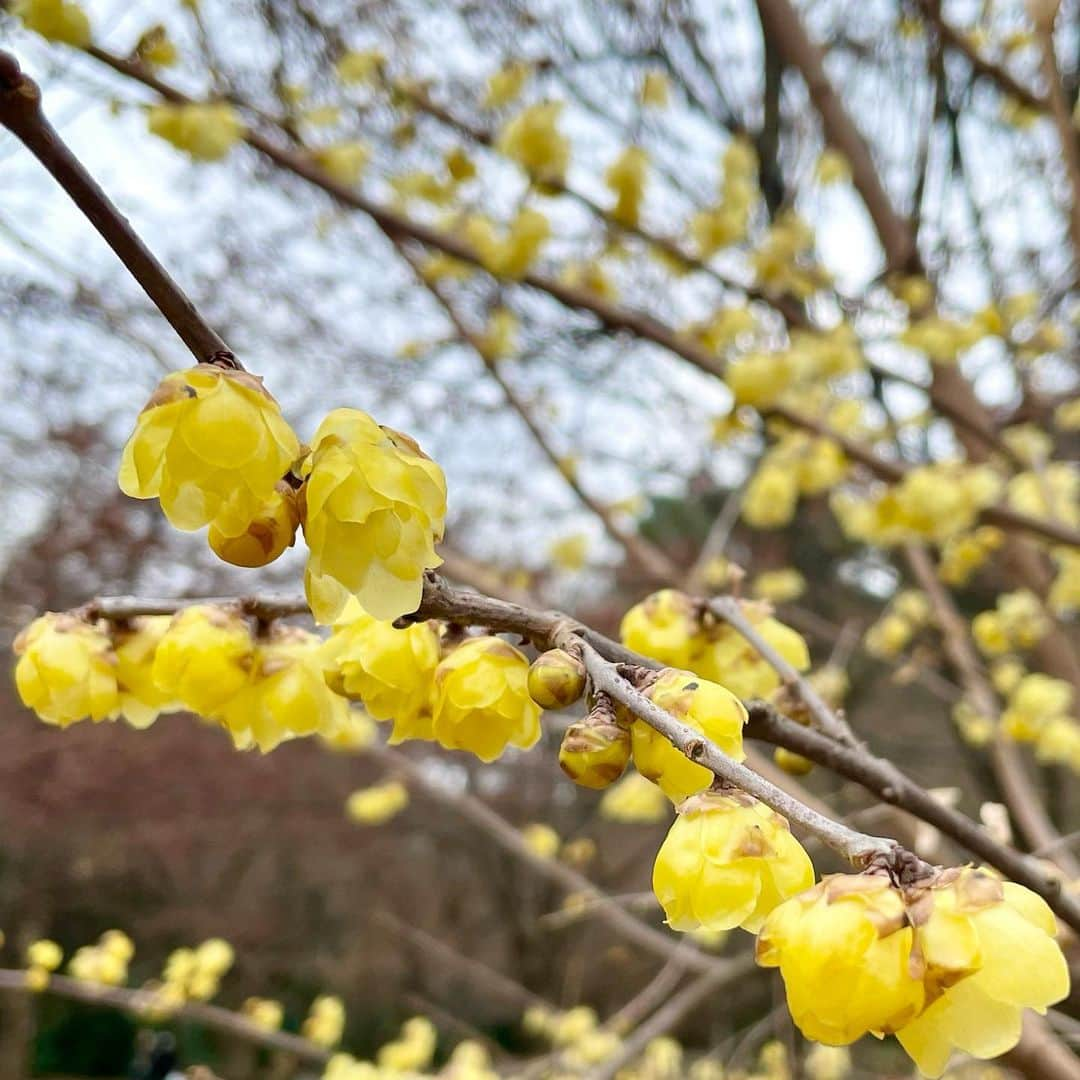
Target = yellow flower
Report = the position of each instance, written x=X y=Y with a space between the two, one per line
x=844 y=949
x=377 y=804
x=360 y=65
x=57 y=20
x=728 y=860
x=391 y=671
x=210 y=444
x=204 y=658
x=499 y=338
x=286 y=695
x=771 y=497
x=66 y=671
x=655 y=90
x=482 y=701
x=44 y=954
x=779 y=586
x=542 y=840
x=412 y=1050
x=989 y=952
x=374 y=508
x=663 y=626
x=135 y=644
x=704 y=706
x=325 y=1023
x=828 y=1063
x=264 y=537
x=634 y=801
x=533 y=140
x=832 y=168
x=726 y=657
x=570 y=552
x=155 y=48
x=263 y=1013
x=343 y=162
x=206 y=132
x=505 y=86
x=627 y=177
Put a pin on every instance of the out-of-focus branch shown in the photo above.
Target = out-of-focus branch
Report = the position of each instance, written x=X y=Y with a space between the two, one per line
x=21 y=113
x=646 y=556
x=665 y=1018
x=983 y=68
x=785 y=29
x=1019 y=795
x=1063 y=121
x=143 y=1002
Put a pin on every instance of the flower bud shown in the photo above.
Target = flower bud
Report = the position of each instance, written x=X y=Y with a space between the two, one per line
x=265 y=537
x=793 y=764
x=556 y=679
x=595 y=751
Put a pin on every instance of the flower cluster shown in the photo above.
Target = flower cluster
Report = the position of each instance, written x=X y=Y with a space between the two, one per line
x=203 y=659
x=204 y=131
x=212 y=446
x=669 y=627
x=933 y=963
x=932 y=502
x=56 y=20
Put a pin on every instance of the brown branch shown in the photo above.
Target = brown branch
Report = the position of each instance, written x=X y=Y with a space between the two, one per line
x=22 y=114
x=1020 y=797
x=141 y=1002
x=548 y=628
x=645 y=555
x=785 y=29
x=983 y=68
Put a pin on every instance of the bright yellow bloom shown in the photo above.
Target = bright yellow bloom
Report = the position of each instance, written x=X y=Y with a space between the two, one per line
x=771 y=497
x=844 y=949
x=634 y=801
x=889 y=636
x=499 y=338
x=542 y=840
x=1052 y=492
x=211 y=444
x=66 y=671
x=135 y=644
x=482 y=701
x=505 y=86
x=779 y=586
x=263 y=1013
x=57 y=20
x=832 y=168
x=377 y=804
x=1034 y=702
x=655 y=90
x=374 y=508
x=44 y=954
x=704 y=706
x=989 y=952
x=391 y=671
x=343 y=162
x=325 y=1023
x=727 y=861
x=155 y=48
x=663 y=626
x=206 y=132
x=726 y=657
x=264 y=537
x=932 y=502
x=627 y=177
x=118 y=944
x=286 y=695
x=204 y=658
x=533 y=140
x=412 y=1050
x=360 y=65
x=828 y=1063
x=570 y=552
